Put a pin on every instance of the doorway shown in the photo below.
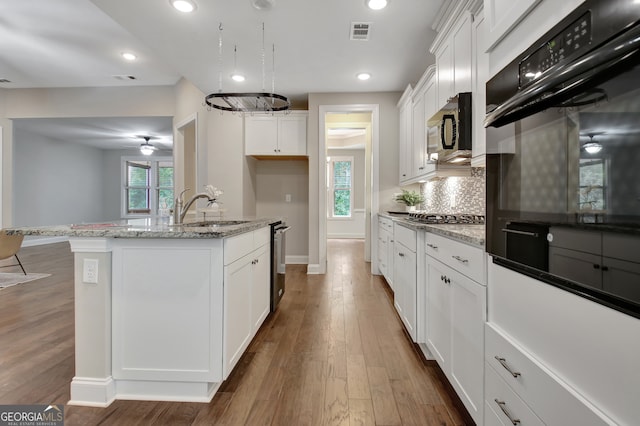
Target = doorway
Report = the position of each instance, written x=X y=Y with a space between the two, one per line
x=185 y=157
x=352 y=117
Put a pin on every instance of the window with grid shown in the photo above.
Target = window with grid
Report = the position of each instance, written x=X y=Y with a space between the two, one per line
x=340 y=186
x=148 y=186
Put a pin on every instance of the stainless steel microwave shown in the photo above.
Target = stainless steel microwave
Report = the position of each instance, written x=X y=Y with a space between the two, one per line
x=449 y=131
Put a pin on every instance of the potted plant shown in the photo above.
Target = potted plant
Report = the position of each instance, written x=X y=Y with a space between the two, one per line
x=410 y=198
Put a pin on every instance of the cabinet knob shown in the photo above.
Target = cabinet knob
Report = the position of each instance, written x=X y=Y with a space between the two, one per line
x=420 y=168
x=596 y=266
x=441 y=277
x=401 y=254
x=605 y=268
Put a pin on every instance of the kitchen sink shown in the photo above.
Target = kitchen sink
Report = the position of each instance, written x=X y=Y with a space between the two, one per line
x=208 y=223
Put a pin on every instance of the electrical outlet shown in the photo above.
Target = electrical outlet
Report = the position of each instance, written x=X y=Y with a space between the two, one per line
x=287 y=198
x=90 y=271
x=453 y=201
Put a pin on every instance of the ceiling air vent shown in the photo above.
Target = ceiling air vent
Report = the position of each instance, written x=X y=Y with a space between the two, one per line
x=124 y=77
x=360 y=30
x=4 y=80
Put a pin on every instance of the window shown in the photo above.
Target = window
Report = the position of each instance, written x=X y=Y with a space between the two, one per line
x=593 y=184
x=340 y=186
x=147 y=186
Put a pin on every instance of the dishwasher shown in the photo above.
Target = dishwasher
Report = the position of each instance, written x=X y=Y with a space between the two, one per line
x=278 y=262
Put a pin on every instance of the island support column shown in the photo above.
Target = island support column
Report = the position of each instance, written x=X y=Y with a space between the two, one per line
x=92 y=384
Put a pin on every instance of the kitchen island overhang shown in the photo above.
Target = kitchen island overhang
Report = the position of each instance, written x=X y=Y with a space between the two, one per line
x=168 y=311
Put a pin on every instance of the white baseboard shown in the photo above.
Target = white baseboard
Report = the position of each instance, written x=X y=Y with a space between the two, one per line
x=40 y=241
x=92 y=392
x=314 y=269
x=346 y=236
x=296 y=260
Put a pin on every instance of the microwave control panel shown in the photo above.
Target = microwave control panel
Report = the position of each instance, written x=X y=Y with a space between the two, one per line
x=576 y=37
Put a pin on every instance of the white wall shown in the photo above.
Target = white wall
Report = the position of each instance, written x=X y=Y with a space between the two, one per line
x=141 y=101
x=388 y=177
x=353 y=227
x=55 y=182
x=275 y=179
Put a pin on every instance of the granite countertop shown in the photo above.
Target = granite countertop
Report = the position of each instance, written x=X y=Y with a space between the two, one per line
x=150 y=228
x=470 y=234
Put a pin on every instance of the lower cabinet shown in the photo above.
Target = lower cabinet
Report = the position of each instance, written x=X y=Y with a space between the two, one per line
x=405 y=277
x=246 y=299
x=385 y=249
x=456 y=312
x=455 y=317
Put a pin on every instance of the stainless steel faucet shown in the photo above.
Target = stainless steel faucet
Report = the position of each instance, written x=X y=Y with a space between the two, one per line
x=179 y=212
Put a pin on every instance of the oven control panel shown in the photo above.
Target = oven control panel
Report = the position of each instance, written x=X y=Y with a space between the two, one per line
x=574 y=38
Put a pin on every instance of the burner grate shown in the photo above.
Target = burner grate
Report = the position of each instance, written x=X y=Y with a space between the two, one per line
x=438 y=218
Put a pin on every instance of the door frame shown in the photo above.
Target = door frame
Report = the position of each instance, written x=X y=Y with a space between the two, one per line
x=323 y=110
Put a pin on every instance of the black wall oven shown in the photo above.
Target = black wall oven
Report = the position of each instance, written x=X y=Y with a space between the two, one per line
x=563 y=157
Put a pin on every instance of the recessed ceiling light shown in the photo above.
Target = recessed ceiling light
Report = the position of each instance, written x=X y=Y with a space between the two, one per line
x=376 y=4
x=363 y=76
x=237 y=77
x=129 y=56
x=185 y=6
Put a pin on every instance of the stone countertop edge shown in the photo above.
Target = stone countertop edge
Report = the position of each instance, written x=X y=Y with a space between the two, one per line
x=151 y=228
x=469 y=234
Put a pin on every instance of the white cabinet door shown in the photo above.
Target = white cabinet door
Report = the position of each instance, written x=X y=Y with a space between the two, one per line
x=292 y=135
x=260 y=136
x=462 y=51
x=480 y=76
x=238 y=328
x=418 y=137
x=405 y=287
x=468 y=316
x=503 y=16
x=390 y=271
x=438 y=313
x=261 y=287
x=444 y=73
x=404 y=142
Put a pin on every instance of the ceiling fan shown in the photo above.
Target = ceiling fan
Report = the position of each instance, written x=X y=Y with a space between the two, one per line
x=593 y=146
x=146 y=148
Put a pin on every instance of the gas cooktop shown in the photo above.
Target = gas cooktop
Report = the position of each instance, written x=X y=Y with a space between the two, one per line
x=437 y=218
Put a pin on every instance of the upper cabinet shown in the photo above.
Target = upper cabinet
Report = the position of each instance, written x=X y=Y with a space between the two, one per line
x=502 y=16
x=405 y=133
x=276 y=135
x=453 y=53
x=479 y=77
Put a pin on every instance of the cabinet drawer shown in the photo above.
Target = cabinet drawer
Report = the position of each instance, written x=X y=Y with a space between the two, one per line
x=466 y=259
x=550 y=399
x=261 y=237
x=239 y=245
x=405 y=236
x=385 y=223
x=503 y=406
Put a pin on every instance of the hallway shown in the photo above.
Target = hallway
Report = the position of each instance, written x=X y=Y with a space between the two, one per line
x=334 y=353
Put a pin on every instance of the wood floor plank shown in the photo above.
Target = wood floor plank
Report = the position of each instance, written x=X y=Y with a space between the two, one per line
x=336 y=402
x=384 y=403
x=361 y=412
x=335 y=352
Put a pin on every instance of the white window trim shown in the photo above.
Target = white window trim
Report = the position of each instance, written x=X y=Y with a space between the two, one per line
x=330 y=161
x=153 y=199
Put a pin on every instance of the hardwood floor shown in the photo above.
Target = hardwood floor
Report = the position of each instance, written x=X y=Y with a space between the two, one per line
x=334 y=353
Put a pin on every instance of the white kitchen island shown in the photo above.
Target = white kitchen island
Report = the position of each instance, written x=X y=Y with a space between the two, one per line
x=163 y=312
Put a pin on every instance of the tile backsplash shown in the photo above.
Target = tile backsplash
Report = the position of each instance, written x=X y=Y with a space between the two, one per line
x=456 y=194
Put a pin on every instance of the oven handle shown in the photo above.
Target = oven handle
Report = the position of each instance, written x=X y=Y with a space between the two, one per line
x=545 y=93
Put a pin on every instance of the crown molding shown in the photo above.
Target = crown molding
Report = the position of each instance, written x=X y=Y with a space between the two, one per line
x=448 y=15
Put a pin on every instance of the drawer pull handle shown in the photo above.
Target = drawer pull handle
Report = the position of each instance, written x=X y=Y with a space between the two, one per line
x=503 y=407
x=432 y=246
x=503 y=362
x=460 y=259
x=401 y=254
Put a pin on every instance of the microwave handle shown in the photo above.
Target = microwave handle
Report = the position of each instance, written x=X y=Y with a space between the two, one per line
x=454 y=131
x=543 y=93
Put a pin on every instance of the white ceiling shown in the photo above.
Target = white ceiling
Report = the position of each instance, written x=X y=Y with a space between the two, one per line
x=78 y=43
